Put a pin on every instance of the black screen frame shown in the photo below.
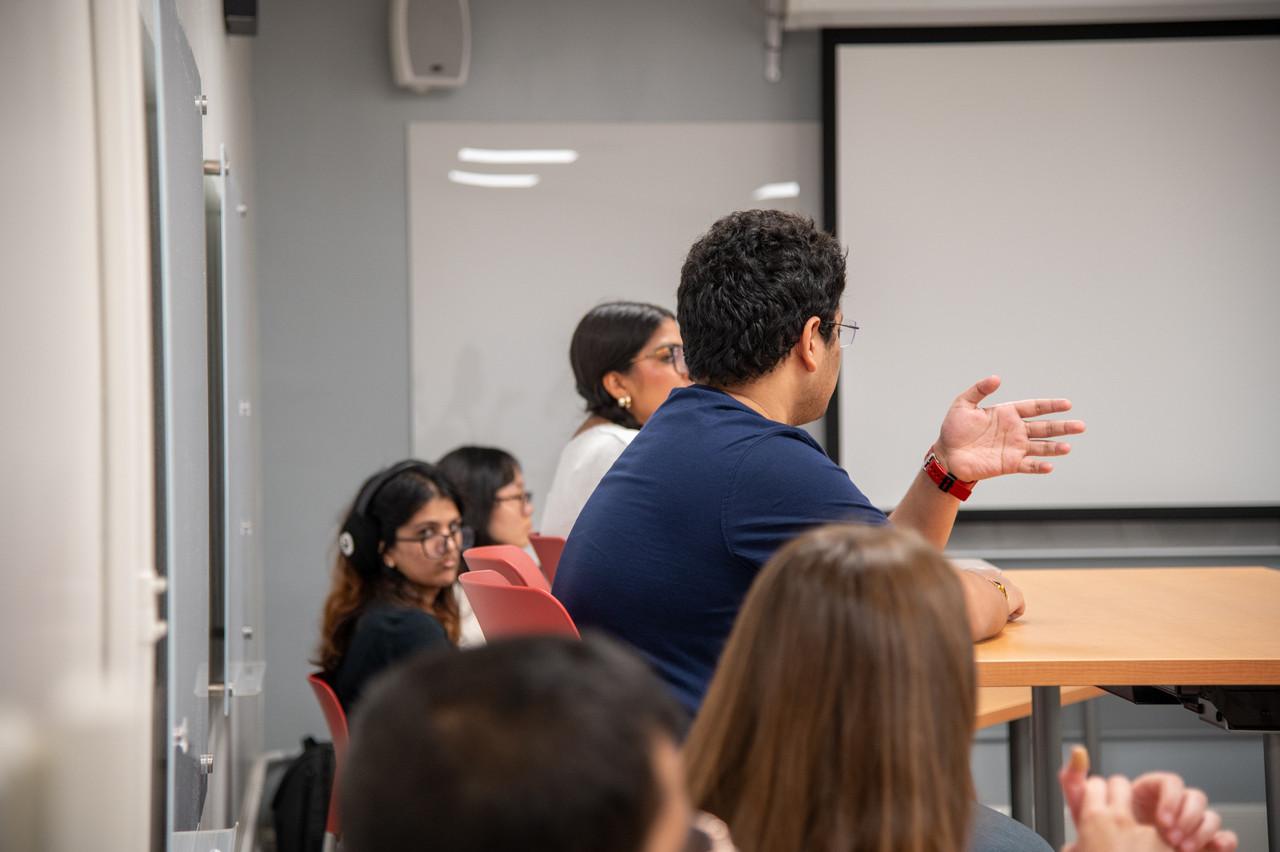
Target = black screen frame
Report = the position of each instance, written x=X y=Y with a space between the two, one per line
x=835 y=38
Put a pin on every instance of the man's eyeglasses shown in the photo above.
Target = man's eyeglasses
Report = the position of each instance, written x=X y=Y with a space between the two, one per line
x=435 y=543
x=671 y=353
x=845 y=332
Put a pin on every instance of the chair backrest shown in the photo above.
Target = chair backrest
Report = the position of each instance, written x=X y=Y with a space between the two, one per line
x=485 y=577
x=336 y=718
x=509 y=561
x=507 y=610
x=548 y=548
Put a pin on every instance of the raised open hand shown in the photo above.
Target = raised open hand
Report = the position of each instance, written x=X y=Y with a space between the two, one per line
x=979 y=443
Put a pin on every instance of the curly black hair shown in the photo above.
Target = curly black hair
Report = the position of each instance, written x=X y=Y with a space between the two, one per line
x=747 y=288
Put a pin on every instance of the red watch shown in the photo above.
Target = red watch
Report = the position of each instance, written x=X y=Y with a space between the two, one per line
x=957 y=488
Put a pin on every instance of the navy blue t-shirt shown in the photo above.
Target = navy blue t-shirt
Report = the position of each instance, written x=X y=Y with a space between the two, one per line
x=666 y=548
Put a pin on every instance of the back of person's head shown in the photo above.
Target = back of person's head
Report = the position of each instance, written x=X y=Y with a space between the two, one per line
x=841 y=713
x=608 y=339
x=478 y=473
x=747 y=288
x=540 y=745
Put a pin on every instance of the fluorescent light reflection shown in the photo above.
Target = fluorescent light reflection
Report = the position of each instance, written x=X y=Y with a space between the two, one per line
x=788 y=189
x=508 y=157
x=493 y=181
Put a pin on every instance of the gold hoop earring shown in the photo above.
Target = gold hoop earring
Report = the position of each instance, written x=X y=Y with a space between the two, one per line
x=624 y=402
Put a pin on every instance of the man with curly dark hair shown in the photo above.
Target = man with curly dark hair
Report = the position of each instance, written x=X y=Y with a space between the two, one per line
x=721 y=476
x=748 y=288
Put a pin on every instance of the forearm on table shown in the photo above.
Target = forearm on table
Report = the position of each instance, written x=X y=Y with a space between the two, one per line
x=987 y=606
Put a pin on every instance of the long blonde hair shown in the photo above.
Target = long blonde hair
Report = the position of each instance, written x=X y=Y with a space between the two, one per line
x=841 y=714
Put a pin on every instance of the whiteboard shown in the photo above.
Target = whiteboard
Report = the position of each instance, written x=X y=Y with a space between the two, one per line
x=1098 y=220
x=500 y=277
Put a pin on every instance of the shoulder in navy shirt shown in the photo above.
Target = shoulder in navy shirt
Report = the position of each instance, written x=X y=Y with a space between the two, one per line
x=666 y=548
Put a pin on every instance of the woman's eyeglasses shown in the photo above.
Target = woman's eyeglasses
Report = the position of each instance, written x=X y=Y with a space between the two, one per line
x=671 y=354
x=435 y=543
x=525 y=498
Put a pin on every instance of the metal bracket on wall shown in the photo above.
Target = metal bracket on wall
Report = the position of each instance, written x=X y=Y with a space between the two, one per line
x=153 y=586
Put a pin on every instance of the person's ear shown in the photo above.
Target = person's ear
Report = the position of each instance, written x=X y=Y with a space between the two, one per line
x=387 y=559
x=811 y=347
x=615 y=384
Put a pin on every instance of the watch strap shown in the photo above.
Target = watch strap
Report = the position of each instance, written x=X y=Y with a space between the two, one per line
x=957 y=488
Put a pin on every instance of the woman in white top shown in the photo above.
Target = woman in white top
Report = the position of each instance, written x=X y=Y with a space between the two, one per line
x=626 y=358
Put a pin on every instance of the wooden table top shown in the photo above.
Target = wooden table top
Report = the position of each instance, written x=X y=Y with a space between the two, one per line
x=1139 y=626
x=998 y=704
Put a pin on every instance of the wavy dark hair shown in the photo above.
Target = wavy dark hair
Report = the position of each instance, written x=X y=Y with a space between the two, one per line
x=747 y=288
x=609 y=338
x=353 y=590
x=478 y=473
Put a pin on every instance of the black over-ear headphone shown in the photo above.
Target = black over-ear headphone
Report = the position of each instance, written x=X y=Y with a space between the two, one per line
x=358 y=540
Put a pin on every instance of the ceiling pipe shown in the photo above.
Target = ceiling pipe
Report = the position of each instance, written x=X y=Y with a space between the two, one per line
x=774 y=13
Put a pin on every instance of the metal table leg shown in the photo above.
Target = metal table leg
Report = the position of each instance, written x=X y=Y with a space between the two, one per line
x=1046 y=735
x=1271 y=771
x=1020 y=786
x=1091 y=740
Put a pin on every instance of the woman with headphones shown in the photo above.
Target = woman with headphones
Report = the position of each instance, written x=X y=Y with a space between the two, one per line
x=394 y=588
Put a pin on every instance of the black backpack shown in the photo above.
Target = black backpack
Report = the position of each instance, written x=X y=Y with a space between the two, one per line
x=301 y=803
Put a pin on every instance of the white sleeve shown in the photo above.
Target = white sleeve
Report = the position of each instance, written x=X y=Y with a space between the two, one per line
x=469 y=634
x=579 y=472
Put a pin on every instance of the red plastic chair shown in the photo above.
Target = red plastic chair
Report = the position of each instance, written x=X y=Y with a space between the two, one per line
x=548 y=548
x=507 y=610
x=336 y=719
x=509 y=561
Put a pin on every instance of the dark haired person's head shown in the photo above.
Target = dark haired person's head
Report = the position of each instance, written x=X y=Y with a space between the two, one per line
x=498 y=507
x=538 y=745
x=626 y=358
x=841 y=713
x=410 y=553
x=758 y=292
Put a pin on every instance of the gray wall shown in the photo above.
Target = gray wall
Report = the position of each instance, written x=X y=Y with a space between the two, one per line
x=332 y=253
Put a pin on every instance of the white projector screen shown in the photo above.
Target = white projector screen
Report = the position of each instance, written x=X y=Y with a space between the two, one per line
x=1098 y=220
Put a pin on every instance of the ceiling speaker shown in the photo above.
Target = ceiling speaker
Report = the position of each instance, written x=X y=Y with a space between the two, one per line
x=430 y=43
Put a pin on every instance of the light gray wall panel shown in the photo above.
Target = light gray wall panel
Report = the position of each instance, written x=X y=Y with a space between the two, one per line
x=183 y=397
x=616 y=224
